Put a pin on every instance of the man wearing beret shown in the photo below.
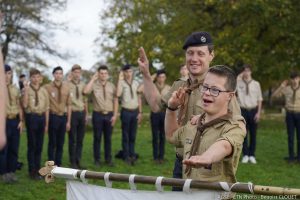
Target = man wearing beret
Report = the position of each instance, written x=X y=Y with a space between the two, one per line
x=158 y=119
x=60 y=115
x=199 y=52
x=129 y=91
x=290 y=89
x=14 y=124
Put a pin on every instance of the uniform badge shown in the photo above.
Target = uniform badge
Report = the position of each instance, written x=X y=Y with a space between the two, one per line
x=53 y=94
x=203 y=39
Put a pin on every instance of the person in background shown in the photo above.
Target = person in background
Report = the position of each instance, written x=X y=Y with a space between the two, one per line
x=250 y=99
x=291 y=92
x=3 y=97
x=184 y=72
x=78 y=117
x=60 y=115
x=129 y=91
x=13 y=129
x=158 y=119
x=105 y=111
x=22 y=79
x=36 y=105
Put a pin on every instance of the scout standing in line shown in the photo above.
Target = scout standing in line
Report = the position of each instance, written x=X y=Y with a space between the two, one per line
x=60 y=115
x=291 y=92
x=105 y=110
x=78 y=118
x=129 y=91
x=14 y=124
x=158 y=120
x=250 y=99
x=36 y=105
x=3 y=97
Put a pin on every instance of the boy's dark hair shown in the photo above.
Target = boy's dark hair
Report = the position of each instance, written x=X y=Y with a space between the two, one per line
x=224 y=71
x=22 y=76
x=57 y=69
x=294 y=74
x=102 y=67
x=34 y=71
x=247 y=66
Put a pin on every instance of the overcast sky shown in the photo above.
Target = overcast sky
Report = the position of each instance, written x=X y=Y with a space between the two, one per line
x=82 y=19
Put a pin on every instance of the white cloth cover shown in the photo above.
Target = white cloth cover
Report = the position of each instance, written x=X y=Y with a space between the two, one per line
x=80 y=191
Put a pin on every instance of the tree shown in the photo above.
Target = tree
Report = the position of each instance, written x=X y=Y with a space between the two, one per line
x=26 y=30
x=263 y=33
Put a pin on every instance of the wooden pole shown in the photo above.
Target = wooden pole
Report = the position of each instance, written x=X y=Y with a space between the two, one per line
x=51 y=171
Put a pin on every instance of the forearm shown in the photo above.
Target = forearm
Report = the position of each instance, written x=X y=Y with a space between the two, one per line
x=69 y=114
x=47 y=118
x=116 y=106
x=151 y=94
x=171 y=124
x=25 y=99
x=140 y=103
x=259 y=106
x=218 y=151
x=277 y=92
x=3 y=97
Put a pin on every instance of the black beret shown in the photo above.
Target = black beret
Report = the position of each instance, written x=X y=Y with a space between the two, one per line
x=126 y=67
x=198 y=39
x=294 y=75
x=7 y=68
x=56 y=69
x=160 y=71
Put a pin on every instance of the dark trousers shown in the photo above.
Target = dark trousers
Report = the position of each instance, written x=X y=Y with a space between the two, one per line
x=177 y=172
x=292 y=120
x=76 y=136
x=251 y=126
x=129 y=127
x=57 y=130
x=102 y=123
x=35 y=126
x=158 y=134
x=9 y=154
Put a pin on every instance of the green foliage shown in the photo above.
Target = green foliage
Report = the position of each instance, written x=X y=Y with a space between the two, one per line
x=27 y=30
x=270 y=170
x=264 y=33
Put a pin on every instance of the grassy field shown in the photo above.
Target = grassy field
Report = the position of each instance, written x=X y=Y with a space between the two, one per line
x=270 y=170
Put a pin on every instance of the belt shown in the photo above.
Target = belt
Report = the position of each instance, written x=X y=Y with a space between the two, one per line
x=38 y=114
x=130 y=110
x=103 y=112
x=58 y=114
x=12 y=116
x=249 y=109
x=78 y=111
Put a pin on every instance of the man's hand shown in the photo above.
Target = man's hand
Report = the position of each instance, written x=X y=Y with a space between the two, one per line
x=20 y=127
x=194 y=119
x=139 y=118
x=113 y=120
x=95 y=76
x=198 y=161
x=284 y=83
x=68 y=126
x=46 y=129
x=257 y=117
x=121 y=76
x=143 y=62
x=177 y=98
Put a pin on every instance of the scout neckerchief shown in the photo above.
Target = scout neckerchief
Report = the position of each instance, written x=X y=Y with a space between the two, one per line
x=247 y=83
x=183 y=108
x=9 y=94
x=59 y=91
x=130 y=86
x=294 y=92
x=36 y=94
x=77 y=88
x=104 y=91
x=200 y=132
x=160 y=87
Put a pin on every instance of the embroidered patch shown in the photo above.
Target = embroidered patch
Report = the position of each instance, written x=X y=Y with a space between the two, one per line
x=188 y=141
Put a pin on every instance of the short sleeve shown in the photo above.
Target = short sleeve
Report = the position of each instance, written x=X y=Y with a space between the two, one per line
x=177 y=137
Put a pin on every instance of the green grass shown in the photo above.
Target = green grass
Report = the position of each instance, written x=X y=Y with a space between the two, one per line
x=271 y=168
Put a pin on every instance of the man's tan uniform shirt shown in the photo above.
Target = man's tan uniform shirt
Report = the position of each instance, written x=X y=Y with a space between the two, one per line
x=224 y=170
x=43 y=101
x=163 y=92
x=78 y=102
x=59 y=107
x=250 y=100
x=291 y=104
x=128 y=100
x=101 y=103
x=13 y=102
